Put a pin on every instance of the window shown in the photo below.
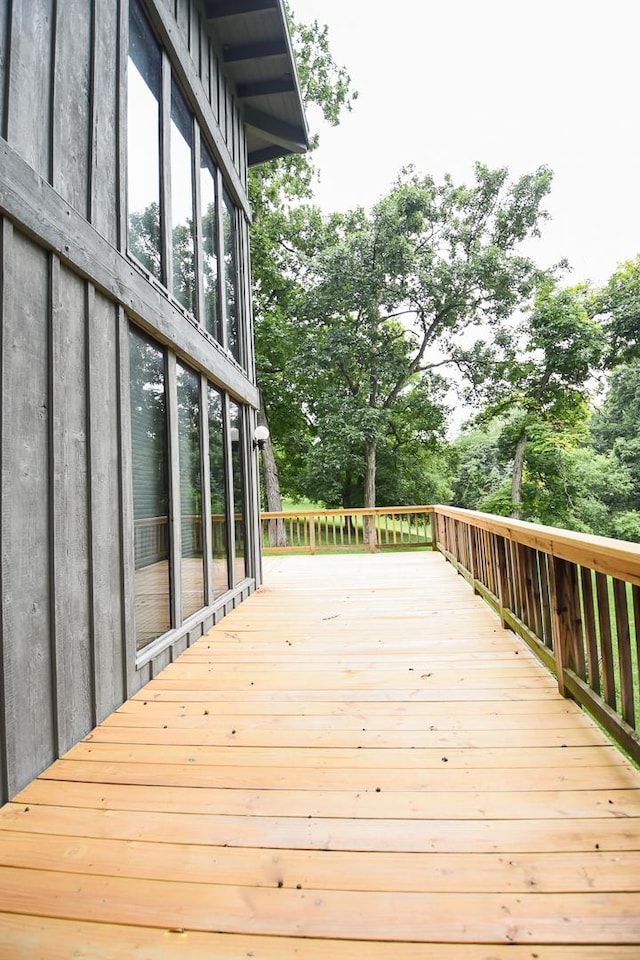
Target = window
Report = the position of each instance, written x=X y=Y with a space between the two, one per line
x=218 y=492
x=230 y=275
x=209 y=214
x=237 y=464
x=190 y=464
x=163 y=219
x=150 y=471
x=182 y=245
x=143 y=155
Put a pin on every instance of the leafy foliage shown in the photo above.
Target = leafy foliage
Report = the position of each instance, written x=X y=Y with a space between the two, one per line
x=369 y=305
x=617 y=305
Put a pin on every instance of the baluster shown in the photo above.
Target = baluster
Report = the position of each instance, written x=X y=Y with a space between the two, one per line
x=606 y=645
x=591 y=638
x=567 y=621
x=625 y=665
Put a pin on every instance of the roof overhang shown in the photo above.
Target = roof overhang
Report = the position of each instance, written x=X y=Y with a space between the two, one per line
x=258 y=59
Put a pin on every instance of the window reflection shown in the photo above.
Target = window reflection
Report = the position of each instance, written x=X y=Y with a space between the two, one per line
x=209 y=245
x=150 y=488
x=230 y=274
x=143 y=136
x=237 y=463
x=218 y=492
x=182 y=251
x=190 y=462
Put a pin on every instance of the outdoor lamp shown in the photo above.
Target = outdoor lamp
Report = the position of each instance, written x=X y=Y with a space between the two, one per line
x=260 y=437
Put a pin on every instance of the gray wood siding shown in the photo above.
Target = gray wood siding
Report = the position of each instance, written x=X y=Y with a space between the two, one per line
x=72 y=133
x=69 y=470
x=104 y=180
x=26 y=519
x=29 y=94
x=106 y=514
x=59 y=69
x=67 y=656
x=4 y=26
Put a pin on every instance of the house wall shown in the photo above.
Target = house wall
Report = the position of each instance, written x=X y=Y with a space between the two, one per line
x=68 y=292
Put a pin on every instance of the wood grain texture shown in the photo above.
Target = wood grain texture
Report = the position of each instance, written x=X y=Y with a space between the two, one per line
x=29 y=99
x=104 y=197
x=72 y=629
x=604 y=554
x=26 y=581
x=72 y=134
x=106 y=515
x=255 y=814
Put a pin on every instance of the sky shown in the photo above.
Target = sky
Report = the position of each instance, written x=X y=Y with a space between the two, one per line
x=445 y=83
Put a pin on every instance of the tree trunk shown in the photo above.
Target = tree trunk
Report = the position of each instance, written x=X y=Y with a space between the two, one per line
x=369 y=525
x=277 y=532
x=516 y=480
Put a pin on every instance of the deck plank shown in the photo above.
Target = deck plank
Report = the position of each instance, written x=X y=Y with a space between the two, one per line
x=356 y=763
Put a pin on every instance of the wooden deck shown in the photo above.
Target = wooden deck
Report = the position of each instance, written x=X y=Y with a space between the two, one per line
x=357 y=763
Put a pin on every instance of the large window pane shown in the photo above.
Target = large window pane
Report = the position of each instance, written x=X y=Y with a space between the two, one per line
x=190 y=461
x=218 y=493
x=150 y=488
x=211 y=319
x=182 y=253
x=230 y=278
x=237 y=463
x=143 y=142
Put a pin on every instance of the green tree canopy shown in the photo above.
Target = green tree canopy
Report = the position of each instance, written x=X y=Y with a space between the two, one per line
x=389 y=296
x=541 y=380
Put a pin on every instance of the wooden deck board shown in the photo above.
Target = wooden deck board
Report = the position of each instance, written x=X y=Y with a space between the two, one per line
x=356 y=763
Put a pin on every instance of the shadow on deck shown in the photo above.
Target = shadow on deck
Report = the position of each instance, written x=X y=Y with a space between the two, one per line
x=358 y=754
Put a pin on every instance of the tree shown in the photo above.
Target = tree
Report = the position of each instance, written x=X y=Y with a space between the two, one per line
x=566 y=482
x=542 y=381
x=617 y=306
x=479 y=468
x=390 y=296
x=616 y=428
x=276 y=189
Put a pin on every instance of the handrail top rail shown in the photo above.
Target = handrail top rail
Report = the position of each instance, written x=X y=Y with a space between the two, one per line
x=345 y=511
x=617 y=558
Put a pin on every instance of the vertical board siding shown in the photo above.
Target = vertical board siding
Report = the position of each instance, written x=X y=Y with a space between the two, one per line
x=104 y=178
x=214 y=83
x=183 y=19
x=4 y=56
x=106 y=526
x=26 y=613
x=29 y=97
x=205 y=63
x=6 y=235
x=67 y=650
x=70 y=512
x=71 y=103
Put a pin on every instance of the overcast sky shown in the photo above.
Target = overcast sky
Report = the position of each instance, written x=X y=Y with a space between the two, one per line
x=443 y=83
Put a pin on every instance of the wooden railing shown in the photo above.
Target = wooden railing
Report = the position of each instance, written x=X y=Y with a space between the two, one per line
x=310 y=531
x=574 y=598
x=151 y=537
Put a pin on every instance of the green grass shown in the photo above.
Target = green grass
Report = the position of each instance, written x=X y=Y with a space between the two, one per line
x=297 y=506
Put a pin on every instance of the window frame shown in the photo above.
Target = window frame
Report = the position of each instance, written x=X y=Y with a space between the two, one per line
x=200 y=141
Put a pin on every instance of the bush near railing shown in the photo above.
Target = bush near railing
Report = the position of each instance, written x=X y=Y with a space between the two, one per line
x=574 y=598
x=360 y=528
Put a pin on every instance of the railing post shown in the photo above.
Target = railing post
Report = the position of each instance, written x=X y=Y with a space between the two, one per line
x=312 y=535
x=567 y=621
x=473 y=556
x=372 y=533
x=502 y=577
x=433 y=528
